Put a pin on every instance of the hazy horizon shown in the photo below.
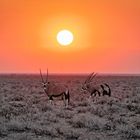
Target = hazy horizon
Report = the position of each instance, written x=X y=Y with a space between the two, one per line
x=80 y=74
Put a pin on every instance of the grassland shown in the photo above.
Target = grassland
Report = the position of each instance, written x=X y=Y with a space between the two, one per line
x=26 y=114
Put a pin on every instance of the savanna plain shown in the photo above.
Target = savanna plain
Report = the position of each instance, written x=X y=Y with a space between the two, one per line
x=26 y=113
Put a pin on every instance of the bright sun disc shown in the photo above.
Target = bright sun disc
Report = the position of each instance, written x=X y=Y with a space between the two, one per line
x=65 y=37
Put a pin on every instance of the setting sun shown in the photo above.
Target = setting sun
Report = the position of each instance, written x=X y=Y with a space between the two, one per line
x=64 y=37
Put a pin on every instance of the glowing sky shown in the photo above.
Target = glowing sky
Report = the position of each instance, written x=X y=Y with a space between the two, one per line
x=106 y=36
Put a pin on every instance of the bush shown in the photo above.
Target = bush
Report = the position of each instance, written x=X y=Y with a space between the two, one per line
x=88 y=121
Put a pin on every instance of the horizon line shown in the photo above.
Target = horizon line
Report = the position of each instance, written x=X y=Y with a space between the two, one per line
x=67 y=73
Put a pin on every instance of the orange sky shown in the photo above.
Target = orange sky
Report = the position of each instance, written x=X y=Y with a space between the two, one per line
x=106 y=36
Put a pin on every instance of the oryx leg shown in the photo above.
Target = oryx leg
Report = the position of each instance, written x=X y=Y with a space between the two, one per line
x=67 y=97
x=89 y=99
x=64 y=99
x=51 y=100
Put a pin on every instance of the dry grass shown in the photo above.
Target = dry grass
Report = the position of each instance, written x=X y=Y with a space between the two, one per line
x=25 y=113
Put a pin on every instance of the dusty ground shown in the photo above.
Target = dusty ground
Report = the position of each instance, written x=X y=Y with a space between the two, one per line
x=25 y=113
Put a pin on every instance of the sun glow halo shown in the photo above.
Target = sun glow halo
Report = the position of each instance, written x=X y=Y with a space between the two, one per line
x=65 y=37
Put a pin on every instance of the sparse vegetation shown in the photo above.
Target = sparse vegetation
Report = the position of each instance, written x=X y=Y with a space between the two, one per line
x=26 y=114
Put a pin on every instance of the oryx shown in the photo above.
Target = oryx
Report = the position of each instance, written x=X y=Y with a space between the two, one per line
x=55 y=91
x=95 y=89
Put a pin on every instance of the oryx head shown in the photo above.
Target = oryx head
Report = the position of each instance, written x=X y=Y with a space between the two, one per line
x=45 y=82
x=86 y=84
